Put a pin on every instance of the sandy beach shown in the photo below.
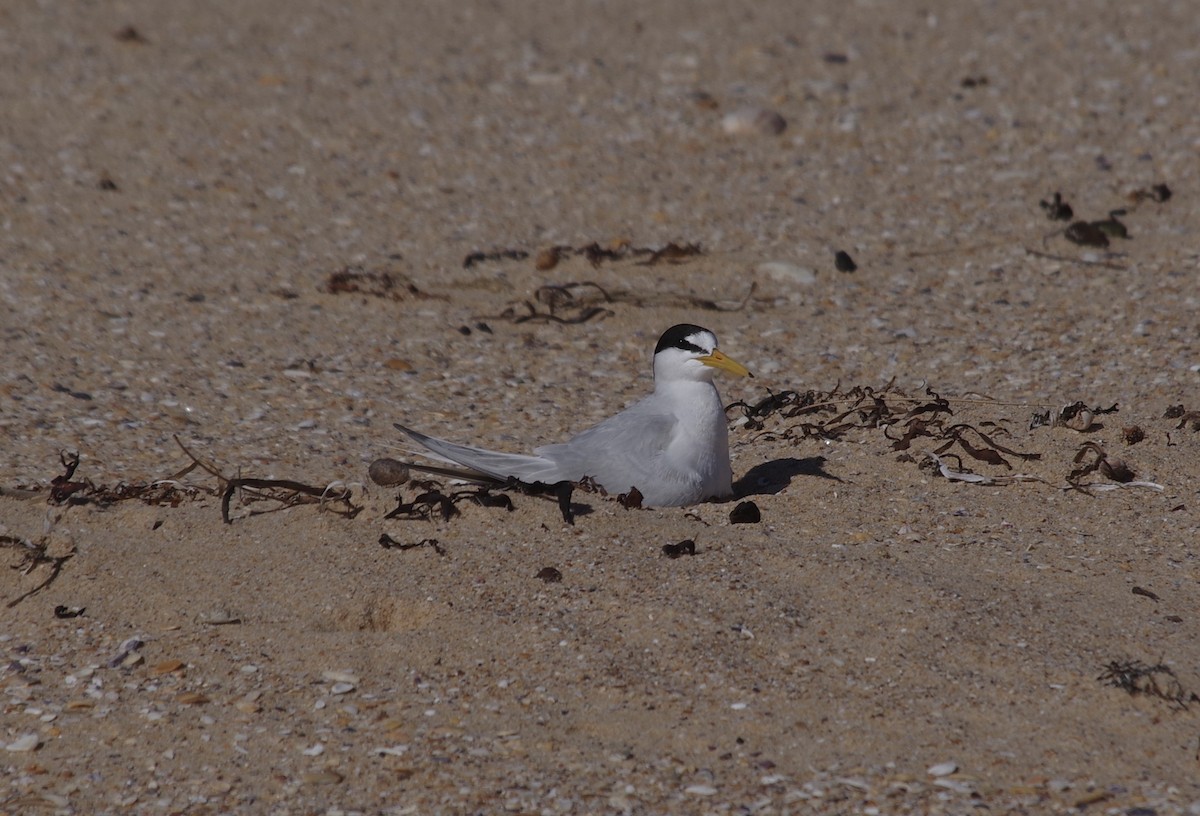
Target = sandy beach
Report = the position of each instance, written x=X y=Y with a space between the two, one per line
x=239 y=241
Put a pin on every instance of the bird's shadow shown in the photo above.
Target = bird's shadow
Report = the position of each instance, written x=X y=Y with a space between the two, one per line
x=772 y=477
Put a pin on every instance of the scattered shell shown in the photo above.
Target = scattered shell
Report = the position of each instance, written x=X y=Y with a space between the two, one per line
x=753 y=122
x=248 y=705
x=24 y=744
x=388 y=472
x=787 y=272
x=392 y=750
x=325 y=777
x=127 y=648
x=942 y=769
x=339 y=676
x=219 y=617
x=167 y=667
x=314 y=750
x=700 y=790
x=956 y=785
x=1081 y=421
x=192 y=698
x=341 y=688
x=80 y=705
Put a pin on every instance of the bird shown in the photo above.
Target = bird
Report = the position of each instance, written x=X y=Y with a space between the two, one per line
x=672 y=445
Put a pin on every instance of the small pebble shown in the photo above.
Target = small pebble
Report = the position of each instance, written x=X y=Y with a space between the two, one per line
x=1132 y=434
x=547 y=259
x=843 y=262
x=550 y=575
x=700 y=790
x=746 y=512
x=388 y=472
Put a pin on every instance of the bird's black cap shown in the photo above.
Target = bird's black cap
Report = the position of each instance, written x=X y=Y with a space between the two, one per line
x=677 y=337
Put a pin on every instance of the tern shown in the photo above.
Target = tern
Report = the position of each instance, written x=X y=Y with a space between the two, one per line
x=673 y=445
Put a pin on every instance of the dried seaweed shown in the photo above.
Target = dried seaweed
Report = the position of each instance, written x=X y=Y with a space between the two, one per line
x=1077 y=416
x=1114 y=469
x=1057 y=209
x=631 y=500
x=564 y=305
x=34 y=555
x=685 y=547
x=672 y=253
x=1086 y=233
x=1159 y=193
x=1187 y=419
x=389 y=543
x=66 y=490
x=581 y=301
x=432 y=503
x=832 y=412
x=288 y=493
x=595 y=254
x=1145 y=593
x=956 y=434
x=371 y=282
x=495 y=255
x=1159 y=681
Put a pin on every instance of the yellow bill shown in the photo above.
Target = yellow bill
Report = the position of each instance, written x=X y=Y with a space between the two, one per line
x=719 y=359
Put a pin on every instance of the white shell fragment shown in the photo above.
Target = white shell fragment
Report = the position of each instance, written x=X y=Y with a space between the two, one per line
x=786 y=272
x=392 y=750
x=339 y=676
x=24 y=744
x=218 y=617
x=942 y=769
x=753 y=122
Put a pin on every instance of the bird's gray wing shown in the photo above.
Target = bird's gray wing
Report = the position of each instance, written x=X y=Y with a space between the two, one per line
x=496 y=464
x=621 y=452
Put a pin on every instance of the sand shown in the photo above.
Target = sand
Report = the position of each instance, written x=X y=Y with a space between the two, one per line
x=187 y=192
